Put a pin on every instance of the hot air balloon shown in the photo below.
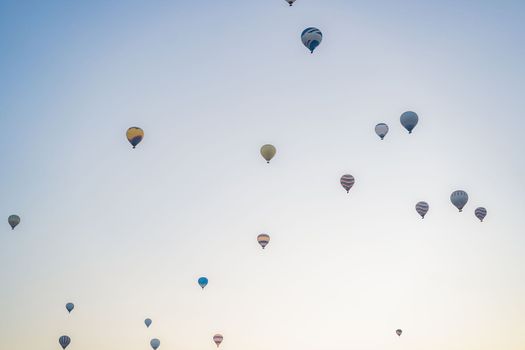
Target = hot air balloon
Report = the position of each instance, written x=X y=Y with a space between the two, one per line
x=217 y=338
x=70 y=307
x=134 y=135
x=155 y=343
x=64 y=341
x=311 y=38
x=290 y=2
x=480 y=213
x=459 y=199
x=347 y=181
x=409 y=120
x=381 y=130
x=13 y=220
x=268 y=152
x=399 y=332
x=263 y=240
x=422 y=208
x=203 y=282
x=147 y=322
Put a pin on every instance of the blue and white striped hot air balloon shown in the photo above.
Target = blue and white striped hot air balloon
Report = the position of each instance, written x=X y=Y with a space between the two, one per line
x=311 y=38
x=64 y=341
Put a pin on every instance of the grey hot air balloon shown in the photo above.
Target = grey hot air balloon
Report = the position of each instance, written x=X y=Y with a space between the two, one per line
x=147 y=322
x=70 y=307
x=409 y=120
x=64 y=341
x=347 y=181
x=399 y=332
x=13 y=221
x=268 y=152
x=381 y=130
x=263 y=240
x=459 y=199
x=155 y=343
x=422 y=208
x=290 y=2
x=480 y=213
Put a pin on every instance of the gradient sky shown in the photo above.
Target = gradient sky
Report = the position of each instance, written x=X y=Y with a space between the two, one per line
x=124 y=234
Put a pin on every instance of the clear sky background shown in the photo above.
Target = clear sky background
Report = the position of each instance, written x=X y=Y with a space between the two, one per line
x=124 y=234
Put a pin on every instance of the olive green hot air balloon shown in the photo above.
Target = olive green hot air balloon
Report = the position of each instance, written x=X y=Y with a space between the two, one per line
x=268 y=152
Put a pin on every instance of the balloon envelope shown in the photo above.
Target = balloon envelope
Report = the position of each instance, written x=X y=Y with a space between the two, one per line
x=459 y=199
x=422 y=208
x=135 y=135
x=381 y=130
x=347 y=181
x=13 y=221
x=155 y=343
x=268 y=152
x=217 y=338
x=290 y=2
x=263 y=240
x=70 y=307
x=147 y=322
x=311 y=38
x=409 y=120
x=480 y=213
x=203 y=282
x=64 y=341
x=399 y=332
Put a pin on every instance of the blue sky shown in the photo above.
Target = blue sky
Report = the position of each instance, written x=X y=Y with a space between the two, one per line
x=125 y=234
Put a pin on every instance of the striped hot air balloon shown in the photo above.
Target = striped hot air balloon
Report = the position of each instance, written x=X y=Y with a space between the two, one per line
x=480 y=213
x=64 y=341
x=217 y=338
x=135 y=135
x=311 y=38
x=347 y=181
x=459 y=199
x=409 y=120
x=381 y=130
x=263 y=240
x=399 y=332
x=422 y=208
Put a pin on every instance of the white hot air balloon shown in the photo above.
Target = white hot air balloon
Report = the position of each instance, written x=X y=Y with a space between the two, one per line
x=311 y=37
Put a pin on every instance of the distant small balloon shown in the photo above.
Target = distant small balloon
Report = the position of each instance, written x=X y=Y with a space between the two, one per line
x=347 y=181
x=422 y=208
x=480 y=213
x=268 y=152
x=147 y=322
x=311 y=38
x=217 y=338
x=263 y=240
x=409 y=120
x=203 y=282
x=13 y=221
x=381 y=130
x=399 y=332
x=70 y=307
x=459 y=199
x=155 y=343
x=64 y=341
x=135 y=135
x=290 y=2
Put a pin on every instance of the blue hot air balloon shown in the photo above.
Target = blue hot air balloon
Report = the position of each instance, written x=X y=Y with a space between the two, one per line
x=147 y=322
x=70 y=307
x=64 y=341
x=155 y=343
x=311 y=38
x=203 y=282
x=409 y=120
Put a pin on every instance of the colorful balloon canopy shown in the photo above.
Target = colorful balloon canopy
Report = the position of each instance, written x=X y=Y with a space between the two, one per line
x=64 y=341
x=268 y=152
x=422 y=208
x=70 y=307
x=409 y=120
x=480 y=213
x=203 y=282
x=135 y=135
x=459 y=199
x=399 y=332
x=381 y=130
x=347 y=181
x=217 y=338
x=155 y=343
x=148 y=322
x=13 y=221
x=311 y=37
x=263 y=240
x=290 y=2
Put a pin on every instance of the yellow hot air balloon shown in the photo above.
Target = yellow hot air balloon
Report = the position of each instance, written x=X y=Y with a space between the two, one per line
x=268 y=152
x=135 y=135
